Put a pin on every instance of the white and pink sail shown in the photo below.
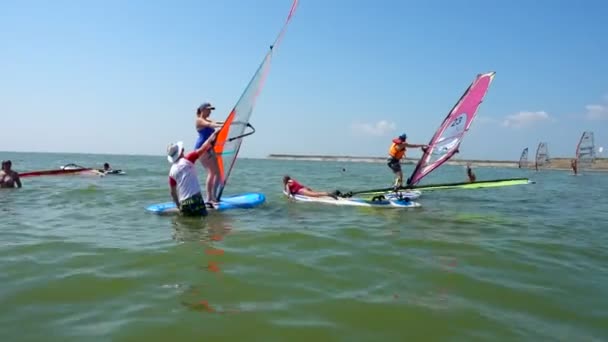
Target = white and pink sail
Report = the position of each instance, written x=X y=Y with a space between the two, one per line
x=542 y=155
x=585 y=150
x=523 y=159
x=447 y=139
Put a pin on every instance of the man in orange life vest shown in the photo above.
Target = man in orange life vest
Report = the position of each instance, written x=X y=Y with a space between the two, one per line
x=396 y=152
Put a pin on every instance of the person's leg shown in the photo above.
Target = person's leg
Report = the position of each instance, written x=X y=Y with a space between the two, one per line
x=395 y=166
x=210 y=164
x=194 y=206
x=311 y=193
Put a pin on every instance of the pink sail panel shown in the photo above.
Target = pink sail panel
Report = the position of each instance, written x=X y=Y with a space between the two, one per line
x=446 y=141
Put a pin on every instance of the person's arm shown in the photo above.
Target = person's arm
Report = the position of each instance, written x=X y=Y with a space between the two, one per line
x=290 y=196
x=202 y=123
x=287 y=188
x=194 y=155
x=417 y=145
x=17 y=180
x=173 y=191
x=208 y=144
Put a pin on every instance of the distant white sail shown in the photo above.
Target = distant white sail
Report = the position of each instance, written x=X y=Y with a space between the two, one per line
x=585 y=150
x=542 y=155
x=523 y=159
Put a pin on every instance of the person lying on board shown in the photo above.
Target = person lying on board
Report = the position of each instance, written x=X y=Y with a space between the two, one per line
x=574 y=166
x=470 y=173
x=205 y=127
x=292 y=187
x=183 y=182
x=8 y=177
x=396 y=152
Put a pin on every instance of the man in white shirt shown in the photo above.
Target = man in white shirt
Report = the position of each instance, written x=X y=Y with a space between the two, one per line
x=183 y=182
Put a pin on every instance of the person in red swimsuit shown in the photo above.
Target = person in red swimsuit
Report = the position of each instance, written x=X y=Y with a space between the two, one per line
x=292 y=187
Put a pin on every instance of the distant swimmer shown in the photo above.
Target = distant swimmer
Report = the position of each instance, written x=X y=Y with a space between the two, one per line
x=292 y=187
x=574 y=166
x=470 y=173
x=183 y=182
x=396 y=152
x=8 y=177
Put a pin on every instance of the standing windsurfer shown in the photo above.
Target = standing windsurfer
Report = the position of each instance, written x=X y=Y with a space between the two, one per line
x=183 y=183
x=470 y=173
x=8 y=177
x=205 y=128
x=396 y=152
x=574 y=166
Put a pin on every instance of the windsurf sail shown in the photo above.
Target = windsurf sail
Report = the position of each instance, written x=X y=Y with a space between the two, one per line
x=230 y=135
x=585 y=150
x=446 y=141
x=60 y=172
x=542 y=155
x=523 y=159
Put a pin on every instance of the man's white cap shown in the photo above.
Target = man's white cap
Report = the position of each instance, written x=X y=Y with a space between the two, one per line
x=174 y=150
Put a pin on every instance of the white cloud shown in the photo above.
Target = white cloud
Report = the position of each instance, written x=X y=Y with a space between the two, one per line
x=524 y=119
x=379 y=128
x=597 y=112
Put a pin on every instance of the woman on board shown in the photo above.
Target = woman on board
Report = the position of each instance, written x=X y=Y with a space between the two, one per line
x=470 y=174
x=574 y=166
x=292 y=187
x=8 y=177
x=183 y=182
x=396 y=152
x=205 y=128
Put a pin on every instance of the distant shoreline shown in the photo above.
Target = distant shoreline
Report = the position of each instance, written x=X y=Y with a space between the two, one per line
x=601 y=164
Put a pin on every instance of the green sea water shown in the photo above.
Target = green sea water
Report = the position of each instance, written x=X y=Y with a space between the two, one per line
x=81 y=259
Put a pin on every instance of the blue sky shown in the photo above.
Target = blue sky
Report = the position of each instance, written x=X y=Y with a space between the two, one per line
x=125 y=77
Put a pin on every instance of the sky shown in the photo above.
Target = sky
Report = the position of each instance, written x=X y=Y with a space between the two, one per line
x=125 y=77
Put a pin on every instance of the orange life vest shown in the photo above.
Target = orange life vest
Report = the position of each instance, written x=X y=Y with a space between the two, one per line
x=395 y=152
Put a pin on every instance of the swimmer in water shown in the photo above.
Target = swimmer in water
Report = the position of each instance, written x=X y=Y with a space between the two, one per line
x=8 y=177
